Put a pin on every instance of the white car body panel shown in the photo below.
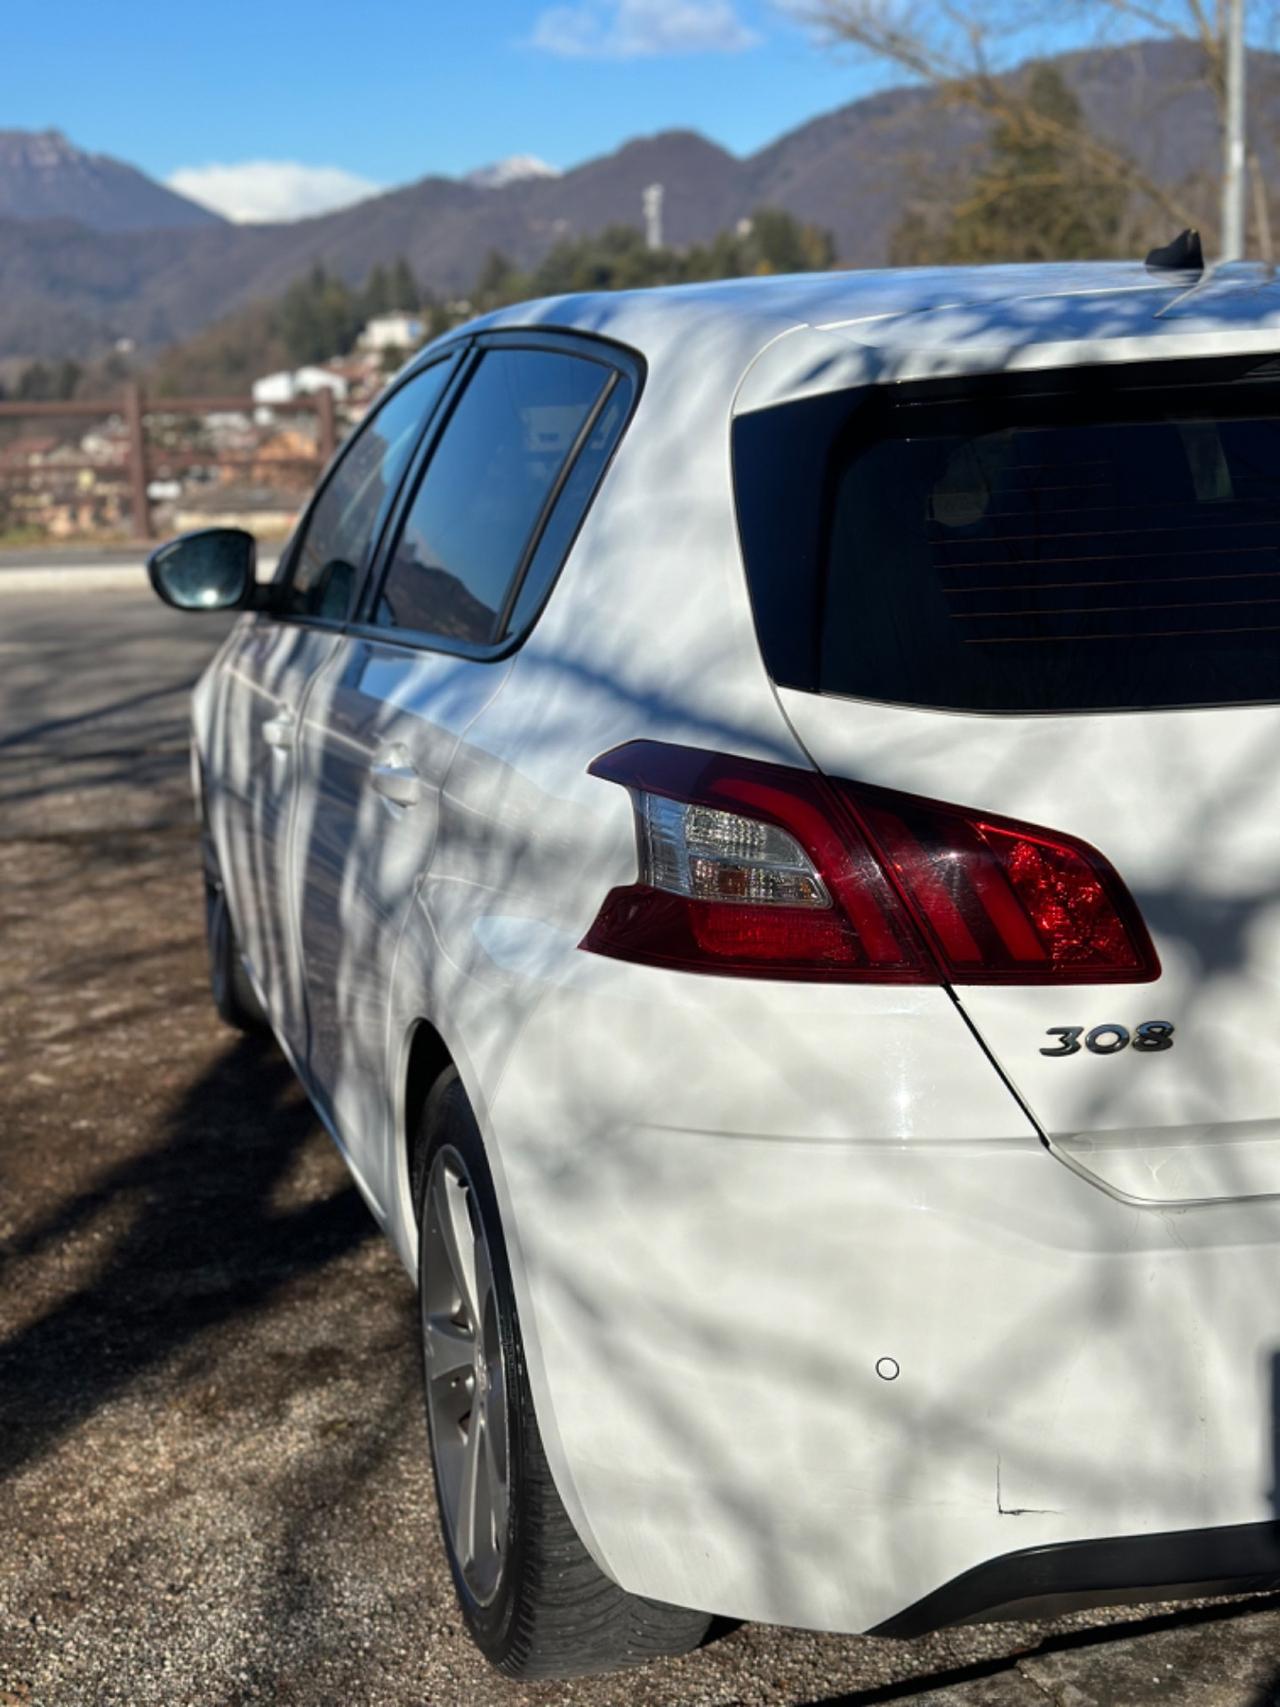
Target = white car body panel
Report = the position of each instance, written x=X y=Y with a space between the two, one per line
x=727 y=1200
x=1187 y=805
x=264 y=675
x=372 y=703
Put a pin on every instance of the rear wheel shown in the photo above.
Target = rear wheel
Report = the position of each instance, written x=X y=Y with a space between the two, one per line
x=534 y=1599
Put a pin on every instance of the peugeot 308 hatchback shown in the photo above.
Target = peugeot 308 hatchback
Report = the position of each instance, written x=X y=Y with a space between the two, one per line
x=754 y=811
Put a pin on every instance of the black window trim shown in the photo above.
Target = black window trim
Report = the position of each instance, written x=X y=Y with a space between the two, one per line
x=625 y=364
x=459 y=348
x=516 y=584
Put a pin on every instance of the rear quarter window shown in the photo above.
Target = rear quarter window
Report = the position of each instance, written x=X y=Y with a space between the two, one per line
x=485 y=494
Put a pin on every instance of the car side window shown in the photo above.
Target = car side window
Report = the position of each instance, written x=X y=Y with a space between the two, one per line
x=340 y=532
x=571 y=505
x=485 y=490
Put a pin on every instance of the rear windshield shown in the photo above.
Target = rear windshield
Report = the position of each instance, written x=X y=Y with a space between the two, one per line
x=1020 y=548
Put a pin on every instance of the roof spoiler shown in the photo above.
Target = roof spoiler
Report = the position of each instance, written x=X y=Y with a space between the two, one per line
x=1183 y=255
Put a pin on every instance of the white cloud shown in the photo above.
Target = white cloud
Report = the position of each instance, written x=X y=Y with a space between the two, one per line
x=640 y=29
x=261 y=190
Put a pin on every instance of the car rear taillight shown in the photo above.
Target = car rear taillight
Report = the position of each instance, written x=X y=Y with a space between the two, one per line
x=765 y=871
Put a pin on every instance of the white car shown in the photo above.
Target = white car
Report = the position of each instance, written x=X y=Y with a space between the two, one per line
x=754 y=812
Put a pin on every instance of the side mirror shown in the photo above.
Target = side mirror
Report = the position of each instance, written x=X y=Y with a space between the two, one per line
x=213 y=569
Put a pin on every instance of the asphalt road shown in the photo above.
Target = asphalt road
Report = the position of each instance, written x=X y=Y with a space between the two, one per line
x=70 y=556
x=213 y=1479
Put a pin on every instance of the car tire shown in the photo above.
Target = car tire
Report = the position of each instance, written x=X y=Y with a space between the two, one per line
x=233 y=995
x=534 y=1600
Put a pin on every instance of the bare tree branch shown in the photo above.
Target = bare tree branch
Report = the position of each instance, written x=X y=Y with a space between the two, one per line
x=967 y=51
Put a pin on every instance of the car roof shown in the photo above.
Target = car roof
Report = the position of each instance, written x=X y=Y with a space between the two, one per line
x=939 y=318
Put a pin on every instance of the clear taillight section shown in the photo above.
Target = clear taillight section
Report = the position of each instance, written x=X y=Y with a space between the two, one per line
x=745 y=869
x=711 y=855
x=762 y=870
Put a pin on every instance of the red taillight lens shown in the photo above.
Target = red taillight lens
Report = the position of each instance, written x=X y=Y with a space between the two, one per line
x=760 y=870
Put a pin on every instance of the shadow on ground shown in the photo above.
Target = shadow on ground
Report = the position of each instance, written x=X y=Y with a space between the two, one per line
x=203 y=1246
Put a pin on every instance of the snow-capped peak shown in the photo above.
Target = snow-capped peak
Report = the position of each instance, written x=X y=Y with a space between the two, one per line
x=511 y=171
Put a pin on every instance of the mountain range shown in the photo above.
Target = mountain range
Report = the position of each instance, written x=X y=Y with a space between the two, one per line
x=43 y=176
x=91 y=250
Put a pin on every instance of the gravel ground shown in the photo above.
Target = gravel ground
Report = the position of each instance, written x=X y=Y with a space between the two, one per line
x=213 y=1481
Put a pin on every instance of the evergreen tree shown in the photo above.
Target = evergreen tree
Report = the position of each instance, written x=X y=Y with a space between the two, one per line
x=66 y=377
x=784 y=245
x=376 y=295
x=617 y=258
x=918 y=240
x=498 y=280
x=35 y=384
x=403 y=292
x=318 y=317
x=1037 y=199
x=298 y=318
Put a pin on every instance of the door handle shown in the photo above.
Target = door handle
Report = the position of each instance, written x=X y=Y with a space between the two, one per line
x=278 y=731
x=394 y=777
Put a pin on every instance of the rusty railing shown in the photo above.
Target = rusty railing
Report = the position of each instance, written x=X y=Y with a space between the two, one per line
x=142 y=460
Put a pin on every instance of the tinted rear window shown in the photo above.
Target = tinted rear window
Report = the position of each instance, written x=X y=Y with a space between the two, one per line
x=1114 y=547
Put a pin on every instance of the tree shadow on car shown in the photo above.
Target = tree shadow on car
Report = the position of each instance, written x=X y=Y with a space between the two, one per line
x=1167 y=1620
x=202 y=1244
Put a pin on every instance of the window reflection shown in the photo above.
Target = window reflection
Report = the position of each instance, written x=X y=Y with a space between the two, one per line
x=342 y=528
x=486 y=486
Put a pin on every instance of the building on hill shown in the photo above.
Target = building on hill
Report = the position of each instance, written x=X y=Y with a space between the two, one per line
x=364 y=377
x=398 y=331
x=289 y=384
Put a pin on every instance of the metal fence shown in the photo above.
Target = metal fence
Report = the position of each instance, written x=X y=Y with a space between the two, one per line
x=142 y=459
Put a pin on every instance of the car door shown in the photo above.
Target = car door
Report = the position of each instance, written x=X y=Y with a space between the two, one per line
x=268 y=673
x=487 y=519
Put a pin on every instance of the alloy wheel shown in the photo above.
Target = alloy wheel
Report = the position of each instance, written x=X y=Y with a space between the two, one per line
x=466 y=1383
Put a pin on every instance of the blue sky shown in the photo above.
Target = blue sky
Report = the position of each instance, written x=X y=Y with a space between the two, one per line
x=389 y=92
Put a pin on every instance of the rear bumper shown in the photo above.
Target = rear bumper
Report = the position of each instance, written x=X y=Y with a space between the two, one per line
x=727 y=1207
x=1044 y=1582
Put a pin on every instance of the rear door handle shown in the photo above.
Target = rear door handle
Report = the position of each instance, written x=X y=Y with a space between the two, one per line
x=394 y=777
x=278 y=731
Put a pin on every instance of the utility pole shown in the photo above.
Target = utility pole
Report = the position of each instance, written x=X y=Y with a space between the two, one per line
x=652 y=200
x=135 y=426
x=1233 y=164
